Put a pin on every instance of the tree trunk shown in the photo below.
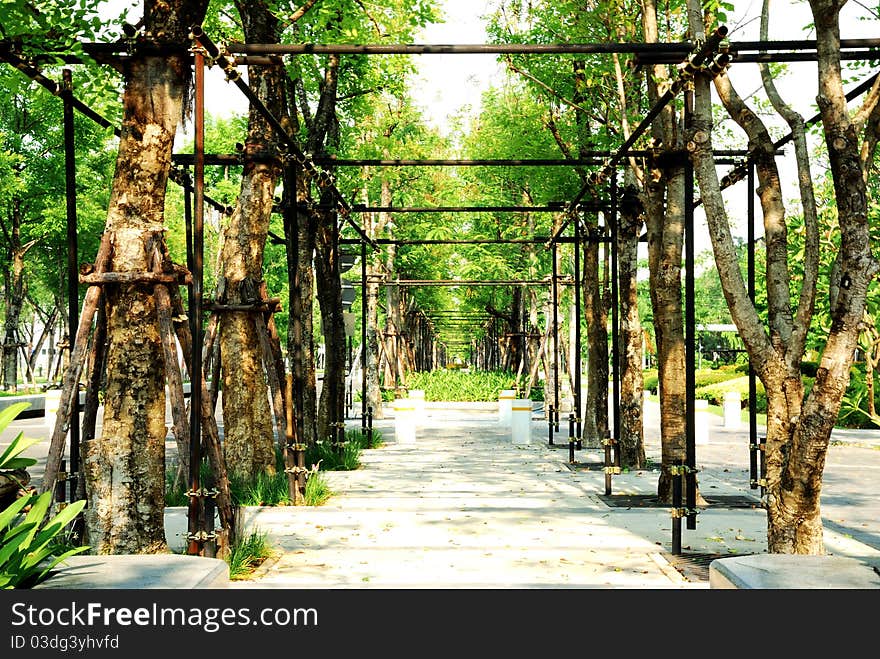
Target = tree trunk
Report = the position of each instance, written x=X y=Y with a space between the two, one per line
x=331 y=409
x=797 y=435
x=596 y=318
x=631 y=441
x=14 y=296
x=247 y=419
x=663 y=198
x=125 y=467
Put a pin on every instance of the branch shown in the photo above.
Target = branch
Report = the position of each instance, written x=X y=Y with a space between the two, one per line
x=807 y=298
x=513 y=67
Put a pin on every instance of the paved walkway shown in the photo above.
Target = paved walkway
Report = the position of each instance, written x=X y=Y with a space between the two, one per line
x=465 y=508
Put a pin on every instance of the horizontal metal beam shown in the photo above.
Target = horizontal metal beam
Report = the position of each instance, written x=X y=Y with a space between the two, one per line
x=680 y=49
x=471 y=209
x=466 y=282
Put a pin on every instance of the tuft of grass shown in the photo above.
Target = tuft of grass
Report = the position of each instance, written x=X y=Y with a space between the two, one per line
x=317 y=490
x=331 y=458
x=264 y=490
x=247 y=554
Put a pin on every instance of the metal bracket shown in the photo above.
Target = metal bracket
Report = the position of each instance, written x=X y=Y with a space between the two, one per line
x=612 y=470
x=758 y=481
x=678 y=513
x=201 y=536
x=296 y=470
x=202 y=492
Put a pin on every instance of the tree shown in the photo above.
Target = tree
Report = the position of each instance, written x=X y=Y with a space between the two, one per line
x=798 y=428
x=125 y=467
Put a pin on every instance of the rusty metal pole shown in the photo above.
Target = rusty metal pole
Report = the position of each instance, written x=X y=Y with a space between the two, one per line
x=196 y=535
x=690 y=328
x=753 y=387
x=72 y=279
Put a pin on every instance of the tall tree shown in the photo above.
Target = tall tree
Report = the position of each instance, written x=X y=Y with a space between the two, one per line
x=798 y=428
x=248 y=430
x=125 y=467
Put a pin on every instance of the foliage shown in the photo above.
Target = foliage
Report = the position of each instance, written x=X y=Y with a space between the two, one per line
x=30 y=544
x=473 y=386
x=247 y=554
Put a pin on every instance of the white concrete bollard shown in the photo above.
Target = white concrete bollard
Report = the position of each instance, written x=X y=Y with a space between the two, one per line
x=701 y=421
x=50 y=407
x=505 y=401
x=404 y=420
x=418 y=397
x=732 y=409
x=521 y=421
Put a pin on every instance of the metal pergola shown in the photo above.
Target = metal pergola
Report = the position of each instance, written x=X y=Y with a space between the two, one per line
x=715 y=52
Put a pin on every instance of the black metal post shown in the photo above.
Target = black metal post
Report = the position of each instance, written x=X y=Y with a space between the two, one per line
x=615 y=310
x=72 y=276
x=571 y=438
x=609 y=463
x=364 y=334
x=690 y=329
x=195 y=535
x=753 y=388
x=676 y=508
x=550 y=427
x=576 y=365
x=555 y=325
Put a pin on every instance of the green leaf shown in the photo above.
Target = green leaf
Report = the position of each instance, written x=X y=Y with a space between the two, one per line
x=12 y=511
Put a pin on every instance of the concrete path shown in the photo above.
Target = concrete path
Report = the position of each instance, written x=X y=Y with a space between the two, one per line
x=465 y=508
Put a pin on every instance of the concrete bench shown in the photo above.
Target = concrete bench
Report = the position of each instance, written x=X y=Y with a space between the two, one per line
x=786 y=571
x=138 y=571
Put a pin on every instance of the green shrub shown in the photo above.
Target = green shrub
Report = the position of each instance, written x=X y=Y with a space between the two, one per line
x=459 y=386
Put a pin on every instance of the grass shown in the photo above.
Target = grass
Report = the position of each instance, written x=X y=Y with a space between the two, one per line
x=317 y=490
x=273 y=490
x=247 y=554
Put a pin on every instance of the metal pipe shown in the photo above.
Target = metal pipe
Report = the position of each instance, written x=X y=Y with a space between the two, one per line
x=609 y=463
x=681 y=49
x=550 y=426
x=676 y=508
x=691 y=63
x=750 y=273
x=363 y=330
x=475 y=241
x=196 y=541
x=555 y=325
x=615 y=311
x=690 y=329
x=577 y=326
x=72 y=270
x=571 y=439
x=470 y=209
x=324 y=180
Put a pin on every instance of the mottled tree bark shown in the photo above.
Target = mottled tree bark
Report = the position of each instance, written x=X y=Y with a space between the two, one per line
x=125 y=467
x=631 y=441
x=663 y=199
x=247 y=418
x=331 y=408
